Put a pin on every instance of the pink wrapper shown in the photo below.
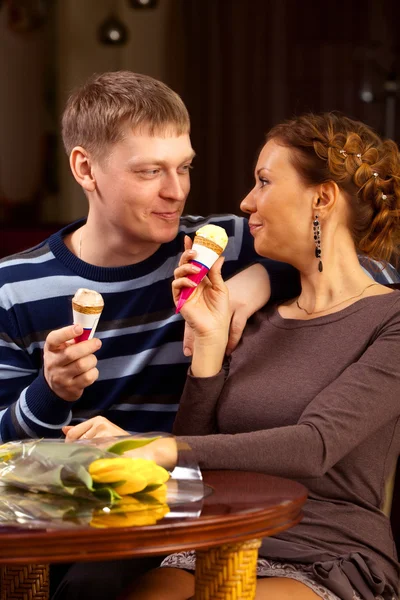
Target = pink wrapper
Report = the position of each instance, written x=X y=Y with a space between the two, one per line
x=197 y=278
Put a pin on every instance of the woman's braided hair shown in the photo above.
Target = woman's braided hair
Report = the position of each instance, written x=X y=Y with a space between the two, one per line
x=331 y=147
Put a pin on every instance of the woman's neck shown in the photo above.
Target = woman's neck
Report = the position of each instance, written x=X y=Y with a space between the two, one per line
x=341 y=282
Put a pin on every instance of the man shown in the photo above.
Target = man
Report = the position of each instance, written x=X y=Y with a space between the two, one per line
x=127 y=137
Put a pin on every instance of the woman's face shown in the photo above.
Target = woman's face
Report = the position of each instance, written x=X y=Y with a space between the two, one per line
x=280 y=207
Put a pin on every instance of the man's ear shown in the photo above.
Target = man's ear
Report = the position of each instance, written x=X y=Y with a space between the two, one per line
x=325 y=198
x=82 y=169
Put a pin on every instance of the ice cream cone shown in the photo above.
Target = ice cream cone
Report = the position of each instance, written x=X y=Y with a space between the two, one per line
x=87 y=306
x=209 y=243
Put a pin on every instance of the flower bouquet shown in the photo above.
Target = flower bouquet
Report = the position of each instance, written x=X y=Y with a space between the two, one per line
x=79 y=470
x=51 y=484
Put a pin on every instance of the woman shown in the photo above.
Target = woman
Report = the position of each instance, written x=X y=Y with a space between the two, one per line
x=313 y=389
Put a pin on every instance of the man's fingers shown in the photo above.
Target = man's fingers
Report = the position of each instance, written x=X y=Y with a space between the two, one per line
x=82 y=365
x=79 y=431
x=238 y=323
x=188 y=340
x=57 y=338
x=85 y=379
x=77 y=353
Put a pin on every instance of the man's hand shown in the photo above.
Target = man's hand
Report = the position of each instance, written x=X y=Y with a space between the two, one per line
x=69 y=367
x=249 y=291
x=97 y=427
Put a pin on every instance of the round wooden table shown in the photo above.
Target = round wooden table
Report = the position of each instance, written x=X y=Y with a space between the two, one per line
x=242 y=508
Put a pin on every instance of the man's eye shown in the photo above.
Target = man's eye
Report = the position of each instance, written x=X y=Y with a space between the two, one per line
x=149 y=172
x=185 y=168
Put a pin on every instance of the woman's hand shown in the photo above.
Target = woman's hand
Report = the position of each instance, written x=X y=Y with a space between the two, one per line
x=207 y=311
x=164 y=452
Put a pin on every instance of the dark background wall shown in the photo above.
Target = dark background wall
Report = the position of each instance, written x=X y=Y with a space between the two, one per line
x=240 y=65
x=252 y=63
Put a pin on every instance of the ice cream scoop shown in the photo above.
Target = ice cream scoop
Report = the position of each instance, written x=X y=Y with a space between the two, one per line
x=87 y=306
x=209 y=243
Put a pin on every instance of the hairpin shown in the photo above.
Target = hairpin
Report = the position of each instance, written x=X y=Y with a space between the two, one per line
x=344 y=153
x=384 y=197
x=375 y=174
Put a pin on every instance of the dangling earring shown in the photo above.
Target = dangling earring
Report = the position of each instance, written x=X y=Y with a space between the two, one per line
x=317 y=241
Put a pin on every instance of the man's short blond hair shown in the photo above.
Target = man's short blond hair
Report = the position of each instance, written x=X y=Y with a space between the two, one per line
x=98 y=112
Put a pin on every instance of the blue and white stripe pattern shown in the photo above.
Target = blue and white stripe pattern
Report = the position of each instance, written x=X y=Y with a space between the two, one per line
x=141 y=363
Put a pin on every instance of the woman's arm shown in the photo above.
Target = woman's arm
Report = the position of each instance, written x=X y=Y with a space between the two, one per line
x=343 y=415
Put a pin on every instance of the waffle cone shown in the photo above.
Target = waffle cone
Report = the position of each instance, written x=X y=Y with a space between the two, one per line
x=202 y=241
x=87 y=310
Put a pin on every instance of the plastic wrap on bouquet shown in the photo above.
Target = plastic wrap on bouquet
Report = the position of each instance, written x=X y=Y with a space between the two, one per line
x=51 y=484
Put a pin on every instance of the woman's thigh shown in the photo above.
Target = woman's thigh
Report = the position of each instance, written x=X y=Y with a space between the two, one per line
x=169 y=583
x=166 y=583
x=283 y=588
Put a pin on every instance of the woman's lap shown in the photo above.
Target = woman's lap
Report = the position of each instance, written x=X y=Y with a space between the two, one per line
x=265 y=569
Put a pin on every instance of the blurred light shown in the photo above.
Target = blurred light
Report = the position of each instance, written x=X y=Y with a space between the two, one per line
x=366 y=95
x=143 y=3
x=113 y=32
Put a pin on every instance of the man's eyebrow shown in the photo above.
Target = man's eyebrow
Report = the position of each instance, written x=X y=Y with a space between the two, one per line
x=152 y=161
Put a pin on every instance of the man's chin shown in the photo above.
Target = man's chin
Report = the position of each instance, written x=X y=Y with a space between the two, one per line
x=168 y=234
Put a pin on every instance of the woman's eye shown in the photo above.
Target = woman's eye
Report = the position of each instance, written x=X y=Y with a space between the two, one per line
x=263 y=181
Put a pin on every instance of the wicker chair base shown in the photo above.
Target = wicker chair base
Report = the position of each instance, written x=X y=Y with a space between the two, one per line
x=24 y=582
x=227 y=572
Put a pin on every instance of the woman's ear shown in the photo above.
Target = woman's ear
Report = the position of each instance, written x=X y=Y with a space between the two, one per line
x=82 y=169
x=325 y=197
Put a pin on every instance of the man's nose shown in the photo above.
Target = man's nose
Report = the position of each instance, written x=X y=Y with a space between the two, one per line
x=174 y=187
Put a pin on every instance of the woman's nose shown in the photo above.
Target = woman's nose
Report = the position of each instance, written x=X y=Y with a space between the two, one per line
x=248 y=205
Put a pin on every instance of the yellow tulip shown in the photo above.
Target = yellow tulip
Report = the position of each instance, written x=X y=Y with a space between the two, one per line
x=129 y=513
x=130 y=474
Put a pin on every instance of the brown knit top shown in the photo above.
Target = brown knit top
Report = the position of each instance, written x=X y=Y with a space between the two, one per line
x=317 y=401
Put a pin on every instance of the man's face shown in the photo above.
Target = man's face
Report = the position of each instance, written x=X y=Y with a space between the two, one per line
x=142 y=185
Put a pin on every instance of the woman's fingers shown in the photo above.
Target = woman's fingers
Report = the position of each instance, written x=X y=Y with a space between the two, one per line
x=187 y=242
x=187 y=256
x=214 y=274
x=185 y=270
x=179 y=284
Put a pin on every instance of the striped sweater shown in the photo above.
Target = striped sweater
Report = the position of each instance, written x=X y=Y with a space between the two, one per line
x=141 y=363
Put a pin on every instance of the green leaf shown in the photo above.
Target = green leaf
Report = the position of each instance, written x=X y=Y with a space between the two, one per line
x=151 y=487
x=132 y=444
x=107 y=493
